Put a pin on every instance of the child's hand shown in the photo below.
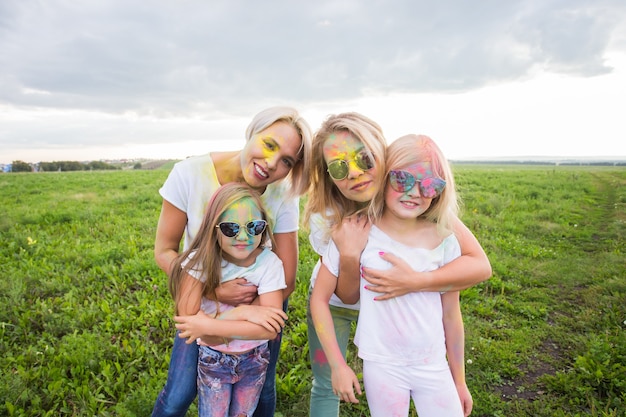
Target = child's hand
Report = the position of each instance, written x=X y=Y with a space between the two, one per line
x=191 y=327
x=271 y=318
x=345 y=382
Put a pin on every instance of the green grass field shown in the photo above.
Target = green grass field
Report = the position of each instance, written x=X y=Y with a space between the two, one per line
x=85 y=324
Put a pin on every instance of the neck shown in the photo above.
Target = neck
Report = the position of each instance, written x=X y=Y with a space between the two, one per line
x=389 y=222
x=228 y=166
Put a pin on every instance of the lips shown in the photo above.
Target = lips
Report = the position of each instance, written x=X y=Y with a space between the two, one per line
x=361 y=186
x=261 y=173
x=409 y=204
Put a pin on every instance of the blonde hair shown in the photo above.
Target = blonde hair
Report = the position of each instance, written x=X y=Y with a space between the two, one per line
x=324 y=197
x=299 y=175
x=205 y=253
x=412 y=149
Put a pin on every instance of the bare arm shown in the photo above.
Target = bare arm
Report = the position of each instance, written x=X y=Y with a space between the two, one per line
x=170 y=229
x=344 y=380
x=455 y=347
x=350 y=238
x=469 y=269
x=287 y=250
x=235 y=325
x=189 y=300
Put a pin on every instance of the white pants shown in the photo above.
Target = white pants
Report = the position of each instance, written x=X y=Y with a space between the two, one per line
x=389 y=389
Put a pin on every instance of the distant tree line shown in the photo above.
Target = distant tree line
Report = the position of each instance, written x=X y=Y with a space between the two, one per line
x=21 y=166
x=568 y=163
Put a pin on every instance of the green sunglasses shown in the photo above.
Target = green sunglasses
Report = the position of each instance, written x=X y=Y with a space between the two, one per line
x=339 y=168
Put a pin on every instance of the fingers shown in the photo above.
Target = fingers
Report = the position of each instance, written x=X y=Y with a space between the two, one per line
x=348 y=397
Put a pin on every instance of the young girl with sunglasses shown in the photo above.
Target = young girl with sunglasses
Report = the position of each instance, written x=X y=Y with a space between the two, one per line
x=404 y=342
x=229 y=245
x=348 y=170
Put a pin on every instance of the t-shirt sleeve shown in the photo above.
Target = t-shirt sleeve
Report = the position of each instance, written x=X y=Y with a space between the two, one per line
x=197 y=271
x=175 y=190
x=273 y=274
x=319 y=233
x=330 y=258
x=452 y=249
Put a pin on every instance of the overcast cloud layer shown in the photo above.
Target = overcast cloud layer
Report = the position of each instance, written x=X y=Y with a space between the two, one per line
x=191 y=60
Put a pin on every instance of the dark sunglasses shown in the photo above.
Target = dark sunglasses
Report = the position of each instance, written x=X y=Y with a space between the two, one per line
x=253 y=228
x=403 y=181
x=339 y=168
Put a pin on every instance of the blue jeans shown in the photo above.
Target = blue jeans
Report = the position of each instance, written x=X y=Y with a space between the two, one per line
x=324 y=403
x=181 y=386
x=267 y=402
x=230 y=385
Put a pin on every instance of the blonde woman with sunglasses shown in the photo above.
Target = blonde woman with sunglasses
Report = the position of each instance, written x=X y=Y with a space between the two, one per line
x=229 y=245
x=348 y=172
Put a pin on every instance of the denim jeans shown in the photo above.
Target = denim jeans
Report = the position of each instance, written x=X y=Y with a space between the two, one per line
x=267 y=402
x=324 y=403
x=180 y=388
x=230 y=385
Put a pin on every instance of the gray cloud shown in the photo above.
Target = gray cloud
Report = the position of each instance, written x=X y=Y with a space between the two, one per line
x=167 y=58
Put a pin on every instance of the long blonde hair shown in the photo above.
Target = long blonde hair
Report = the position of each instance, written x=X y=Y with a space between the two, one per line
x=412 y=149
x=324 y=197
x=205 y=253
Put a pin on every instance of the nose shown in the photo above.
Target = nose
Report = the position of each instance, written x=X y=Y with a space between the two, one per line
x=272 y=160
x=353 y=170
x=414 y=191
x=242 y=235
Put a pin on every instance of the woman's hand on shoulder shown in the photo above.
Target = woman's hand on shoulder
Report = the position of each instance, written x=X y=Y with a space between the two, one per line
x=351 y=235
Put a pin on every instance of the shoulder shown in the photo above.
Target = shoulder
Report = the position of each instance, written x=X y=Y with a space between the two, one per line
x=268 y=256
x=195 y=162
x=279 y=190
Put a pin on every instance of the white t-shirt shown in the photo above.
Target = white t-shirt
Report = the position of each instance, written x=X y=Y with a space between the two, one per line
x=319 y=238
x=192 y=182
x=404 y=330
x=266 y=273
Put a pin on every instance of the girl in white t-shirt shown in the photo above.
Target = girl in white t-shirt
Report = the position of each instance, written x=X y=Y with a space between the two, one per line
x=230 y=245
x=404 y=341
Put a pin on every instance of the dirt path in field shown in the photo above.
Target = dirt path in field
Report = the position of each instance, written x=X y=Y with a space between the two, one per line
x=607 y=219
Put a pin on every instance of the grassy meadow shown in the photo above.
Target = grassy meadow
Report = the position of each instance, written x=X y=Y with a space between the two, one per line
x=86 y=328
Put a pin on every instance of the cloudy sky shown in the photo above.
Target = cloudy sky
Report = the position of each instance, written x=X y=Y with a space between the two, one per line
x=83 y=80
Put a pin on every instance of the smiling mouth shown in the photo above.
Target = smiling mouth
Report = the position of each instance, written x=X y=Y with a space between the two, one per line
x=409 y=204
x=260 y=171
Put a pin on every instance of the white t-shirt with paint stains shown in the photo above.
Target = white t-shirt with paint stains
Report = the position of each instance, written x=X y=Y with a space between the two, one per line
x=404 y=330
